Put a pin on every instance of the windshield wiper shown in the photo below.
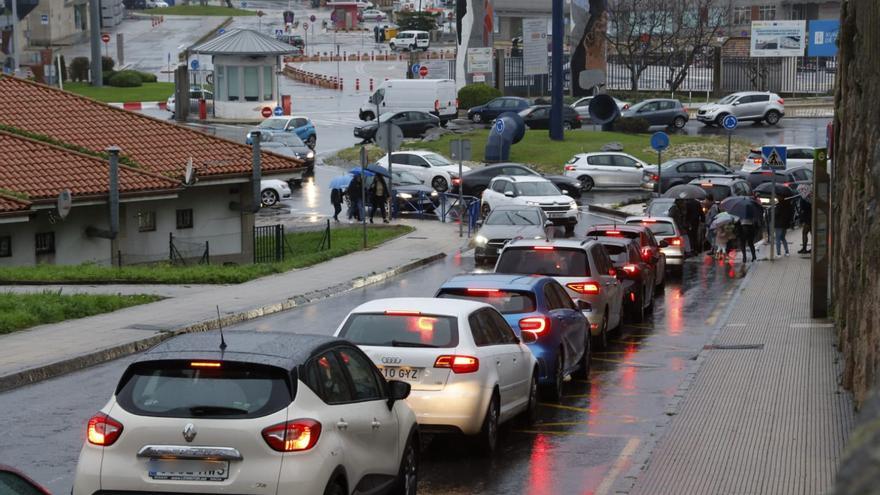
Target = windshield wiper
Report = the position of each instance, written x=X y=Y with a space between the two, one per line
x=218 y=410
x=399 y=343
x=528 y=220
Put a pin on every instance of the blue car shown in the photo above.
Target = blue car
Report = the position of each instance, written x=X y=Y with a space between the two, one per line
x=491 y=110
x=301 y=126
x=536 y=304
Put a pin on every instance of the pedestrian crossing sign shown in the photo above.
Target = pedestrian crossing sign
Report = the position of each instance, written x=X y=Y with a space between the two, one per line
x=774 y=157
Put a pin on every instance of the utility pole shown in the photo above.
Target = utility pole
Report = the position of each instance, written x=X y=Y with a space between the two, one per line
x=15 y=27
x=95 y=39
x=556 y=133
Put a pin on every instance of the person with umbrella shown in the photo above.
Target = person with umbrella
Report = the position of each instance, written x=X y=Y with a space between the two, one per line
x=378 y=197
x=750 y=213
x=337 y=193
x=784 y=219
x=805 y=214
x=355 y=197
x=710 y=207
x=725 y=227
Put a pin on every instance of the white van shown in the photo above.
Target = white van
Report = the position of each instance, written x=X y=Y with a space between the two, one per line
x=410 y=40
x=435 y=96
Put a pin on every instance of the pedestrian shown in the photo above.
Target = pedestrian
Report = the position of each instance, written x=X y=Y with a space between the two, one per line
x=382 y=33
x=378 y=197
x=746 y=235
x=711 y=208
x=355 y=196
x=783 y=220
x=805 y=214
x=337 y=193
x=678 y=214
x=694 y=217
x=376 y=34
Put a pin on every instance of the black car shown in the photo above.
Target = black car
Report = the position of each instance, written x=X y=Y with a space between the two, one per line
x=289 y=144
x=682 y=171
x=789 y=177
x=723 y=186
x=477 y=180
x=538 y=117
x=637 y=277
x=491 y=110
x=411 y=195
x=414 y=124
x=659 y=111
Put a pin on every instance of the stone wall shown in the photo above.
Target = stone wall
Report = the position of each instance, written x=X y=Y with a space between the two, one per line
x=856 y=196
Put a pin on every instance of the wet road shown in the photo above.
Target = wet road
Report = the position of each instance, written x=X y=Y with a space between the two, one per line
x=585 y=444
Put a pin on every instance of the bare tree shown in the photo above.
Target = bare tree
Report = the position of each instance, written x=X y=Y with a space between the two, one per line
x=702 y=21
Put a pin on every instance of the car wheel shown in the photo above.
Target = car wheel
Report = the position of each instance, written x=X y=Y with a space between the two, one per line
x=439 y=183
x=477 y=118
x=566 y=125
x=269 y=197
x=334 y=488
x=601 y=340
x=719 y=119
x=583 y=370
x=530 y=416
x=312 y=141
x=554 y=392
x=772 y=117
x=587 y=183
x=487 y=439
x=408 y=476
x=679 y=122
x=485 y=209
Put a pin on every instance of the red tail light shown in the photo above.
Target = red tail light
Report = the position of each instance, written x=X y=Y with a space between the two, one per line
x=458 y=364
x=534 y=324
x=569 y=167
x=543 y=248
x=456 y=181
x=758 y=161
x=293 y=436
x=103 y=430
x=655 y=177
x=675 y=241
x=612 y=233
x=786 y=184
x=397 y=312
x=584 y=287
x=491 y=292
x=781 y=101
x=632 y=296
x=631 y=269
x=646 y=254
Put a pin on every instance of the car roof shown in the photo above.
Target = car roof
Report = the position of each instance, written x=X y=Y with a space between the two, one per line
x=563 y=243
x=618 y=226
x=495 y=281
x=281 y=349
x=522 y=178
x=426 y=305
x=595 y=153
x=620 y=241
x=416 y=152
x=657 y=99
x=640 y=218
x=720 y=180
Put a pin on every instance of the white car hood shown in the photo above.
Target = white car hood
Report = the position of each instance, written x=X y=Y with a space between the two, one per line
x=710 y=107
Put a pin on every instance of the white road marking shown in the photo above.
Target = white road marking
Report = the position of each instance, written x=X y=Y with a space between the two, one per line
x=625 y=455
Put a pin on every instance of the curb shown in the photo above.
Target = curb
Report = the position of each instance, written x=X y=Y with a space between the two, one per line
x=607 y=211
x=52 y=370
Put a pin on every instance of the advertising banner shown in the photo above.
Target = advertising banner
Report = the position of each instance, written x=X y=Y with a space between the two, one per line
x=823 y=38
x=535 y=59
x=778 y=38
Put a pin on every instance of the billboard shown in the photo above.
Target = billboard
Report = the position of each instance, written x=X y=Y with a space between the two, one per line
x=534 y=47
x=822 y=41
x=479 y=60
x=778 y=38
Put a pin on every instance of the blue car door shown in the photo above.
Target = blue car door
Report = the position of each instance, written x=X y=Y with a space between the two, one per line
x=568 y=322
x=302 y=127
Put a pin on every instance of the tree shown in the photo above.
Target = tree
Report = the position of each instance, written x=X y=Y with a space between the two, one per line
x=416 y=21
x=703 y=21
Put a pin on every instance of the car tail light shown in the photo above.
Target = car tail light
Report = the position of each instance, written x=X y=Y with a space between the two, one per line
x=631 y=269
x=612 y=272
x=646 y=254
x=493 y=292
x=534 y=324
x=103 y=430
x=786 y=184
x=758 y=161
x=398 y=312
x=458 y=364
x=456 y=181
x=569 y=168
x=204 y=364
x=612 y=233
x=632 y=297
x=543 y=248
x=655 y=177
x=781 y=101
x=293 y=436
x=584 y=287
x=675 y=241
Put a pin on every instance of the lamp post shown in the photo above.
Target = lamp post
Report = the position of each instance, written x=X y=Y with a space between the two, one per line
x=556 y=133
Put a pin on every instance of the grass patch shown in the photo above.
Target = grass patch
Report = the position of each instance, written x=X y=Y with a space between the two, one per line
x=303 y=252
x=352 y=156
x=199 y=10
x=157 y=91
x=19 y=311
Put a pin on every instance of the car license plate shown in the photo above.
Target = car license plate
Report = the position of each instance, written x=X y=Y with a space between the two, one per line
x=405 y=374
x=556 y=214
x=188 y=470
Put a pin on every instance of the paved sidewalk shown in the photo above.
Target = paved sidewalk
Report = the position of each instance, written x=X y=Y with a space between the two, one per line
x=763 y=413
x=50 y=350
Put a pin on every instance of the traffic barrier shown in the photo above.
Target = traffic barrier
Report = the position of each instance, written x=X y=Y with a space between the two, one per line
x=371 y=85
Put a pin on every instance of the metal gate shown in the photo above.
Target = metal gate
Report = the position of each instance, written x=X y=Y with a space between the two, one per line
x=269 y=244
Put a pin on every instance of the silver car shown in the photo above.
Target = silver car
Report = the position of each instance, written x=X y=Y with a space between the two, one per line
x=755 y=106
x=505 y=223
x=606 y=169
x=582 y=107
x=665 y=229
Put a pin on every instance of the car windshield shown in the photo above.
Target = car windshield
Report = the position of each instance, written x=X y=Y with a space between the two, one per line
x=537 y=189
x=659 y=209
x=405 y=178
x=286 y=138
x=661 y=228
x=555 y=262
x=505 y=301
x=401 y=330
x=514 y=217
x=436 y=160
x=204 y=389
x=385 y=117
x=727 y=99
x=612 y=232
x=273 y=124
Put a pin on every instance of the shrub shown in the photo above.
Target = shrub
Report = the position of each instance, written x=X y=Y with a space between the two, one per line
x=146 y=77
x=107 y=74
x=125 y=79
x=631 y=125
x=79 y=69
x=107 y=63
x=476 y=94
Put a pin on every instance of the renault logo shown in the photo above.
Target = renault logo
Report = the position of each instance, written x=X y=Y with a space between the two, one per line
x=189 y=432
x=391 y=360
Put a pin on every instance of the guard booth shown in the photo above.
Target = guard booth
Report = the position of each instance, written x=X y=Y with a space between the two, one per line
x=344 y=15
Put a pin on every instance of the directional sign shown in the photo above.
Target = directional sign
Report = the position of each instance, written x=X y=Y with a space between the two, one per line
x=278 y=111
x=660 y=141
x=266 y=112
x=194 y=64
x=775 y=157
x=105 y=37
x=499 y=126
x=729 y=122
x=415 y=69
x=460 y=149
x=220 y=31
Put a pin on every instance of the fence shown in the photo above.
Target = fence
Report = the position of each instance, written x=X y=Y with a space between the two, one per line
x=269 y=243
x=181 y=250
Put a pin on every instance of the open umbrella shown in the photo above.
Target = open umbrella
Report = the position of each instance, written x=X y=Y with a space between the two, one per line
x=782 y=192
x=721 y=219
x=357 y=171
x=745 y=207
x=340 y=181
x=378 y=169
x=685 y=191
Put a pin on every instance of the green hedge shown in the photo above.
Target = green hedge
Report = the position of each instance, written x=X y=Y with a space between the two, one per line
x=476 y=94
x=631 y=125
x=126 y=79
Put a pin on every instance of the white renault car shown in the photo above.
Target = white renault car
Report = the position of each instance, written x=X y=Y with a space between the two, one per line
x=531 y=190
x=432 y=169
x=272 y=413
x=468 y=370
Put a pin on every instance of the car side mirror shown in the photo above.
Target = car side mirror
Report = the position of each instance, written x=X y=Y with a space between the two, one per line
x=397 y=390
x=663 y=244
x=566 y=192
x=510 y=194
x=735 y=103
x=528 y=337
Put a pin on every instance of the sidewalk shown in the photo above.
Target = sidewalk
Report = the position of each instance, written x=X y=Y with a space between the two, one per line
x=50 y=350
x=763 y=413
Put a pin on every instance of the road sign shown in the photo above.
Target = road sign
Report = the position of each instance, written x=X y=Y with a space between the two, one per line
x=415 y=69
x=775 y=157
x=279 y=33
x=194 y=64
x=288 y=16
x=660 y=141
x=499 y=126
x=278 y=111
x=63 y=204
x=220 y=31
x=305 y=26
x=464 y=145
x=389 y=137
x=423 y=71
x=729 y=122
x=105 y=37
x=266 y=112
x=44 y=19
x=242 y=4
x=312 y=18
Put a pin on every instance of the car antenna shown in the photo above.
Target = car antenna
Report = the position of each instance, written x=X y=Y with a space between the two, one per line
x=220 y=324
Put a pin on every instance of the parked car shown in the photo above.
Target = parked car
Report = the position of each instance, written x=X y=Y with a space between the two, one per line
x=538 y=117
x=583 y=267
x=410 y=40
x=153 y=4
x=289 y=144
x=477 y=180
x=468 y=370
x=495 y=107
x=284 y=411
x=431 y=168
x=195 y=94
x=411 y=193
x=525 y=190
x=582 y=107
x=373 y=15
x=659 y=111
x=297 y=124
x=650 y=249
x=606 y=169
x=636 y=276
x=435 y=96
x=15 y=482
x=665 y=229
x=414 y=124
x=538 y=305
x=756 y=106
x=796 y=156
x=681 y=171
x=273 y=190
x=505 y=223
x=723 y=186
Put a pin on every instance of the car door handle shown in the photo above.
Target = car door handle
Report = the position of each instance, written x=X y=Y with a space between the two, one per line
x=376 y=424
x=342 y=425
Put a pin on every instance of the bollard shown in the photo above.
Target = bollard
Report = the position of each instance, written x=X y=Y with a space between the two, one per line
x=340 y=84
x=371 y=85
x=357 y=84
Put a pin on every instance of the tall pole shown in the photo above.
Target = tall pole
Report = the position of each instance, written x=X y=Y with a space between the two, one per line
x=95 y=41
x=15 y=27
x=556 y=133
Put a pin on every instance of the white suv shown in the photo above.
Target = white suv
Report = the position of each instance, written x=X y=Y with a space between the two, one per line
x=410 y=40
x=531 y=190
x=753 y=106
x=272 y=413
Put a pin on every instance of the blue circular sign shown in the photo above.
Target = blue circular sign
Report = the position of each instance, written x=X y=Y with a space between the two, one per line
x=221 y=31
x=415 y=69
x=194 y=64
x=499 y=126
x=660 y=141
x=729 y=122
x=278 y=111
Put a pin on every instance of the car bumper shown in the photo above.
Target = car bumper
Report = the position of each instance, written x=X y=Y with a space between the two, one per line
x=458 y=407
x=674 y=256
x=709 y=117
x=364 y=133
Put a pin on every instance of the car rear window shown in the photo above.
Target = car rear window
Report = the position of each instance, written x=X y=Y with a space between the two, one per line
x=401 y=330
x=618 y=253
x=557 y=262
x=658 y=227
x=204 y=389
x=505 y=301
x=613 y=233
x=719 y=192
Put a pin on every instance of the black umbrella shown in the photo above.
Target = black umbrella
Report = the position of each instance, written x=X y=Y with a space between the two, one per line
x=685 y=191
x=782 y=192
x=744 y=207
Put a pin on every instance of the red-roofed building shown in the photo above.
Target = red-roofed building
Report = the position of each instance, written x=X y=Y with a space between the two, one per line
x=51 y=141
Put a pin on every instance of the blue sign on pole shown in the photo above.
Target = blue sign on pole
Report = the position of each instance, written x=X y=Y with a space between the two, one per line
x=774 y=157
x=660 y=141
x=194 y=64
x=415 y=69
x=220 y=31
x=278 y=111
x=822 y=41
x=499 y=126
x=729 y=122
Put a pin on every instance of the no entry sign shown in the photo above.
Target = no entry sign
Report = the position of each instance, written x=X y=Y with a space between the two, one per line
x=423 y=71
x=105 y=37
x=266 y=112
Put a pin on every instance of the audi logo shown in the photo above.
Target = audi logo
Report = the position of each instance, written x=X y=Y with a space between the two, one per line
x=391 y=360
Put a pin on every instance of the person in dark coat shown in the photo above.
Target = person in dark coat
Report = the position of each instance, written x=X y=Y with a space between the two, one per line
x=783 y=220
x=805 y=213
x=336 y=200
x=378 y=197
x=355 y=196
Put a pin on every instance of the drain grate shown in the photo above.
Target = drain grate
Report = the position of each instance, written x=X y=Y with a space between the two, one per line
x=732 y=347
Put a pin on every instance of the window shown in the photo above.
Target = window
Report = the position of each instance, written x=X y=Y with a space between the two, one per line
x=742 y=15
x=604 y=160
x=329 y=379
x=512 y=103
x=508 y=187
x=366 y=387
x=400 y=158
x=666 y=105
x=268 y=77
x=625 y=161
x=220 y=83
x=563 y=296
x=714 y=168
x=505 y=301
x=502 y=328
x=413 y=330
x=552 y=297
x=767 y=12
x=251 y=84
x=479 y=332
x=184 y=219
x=691 y=168
x=516 y=171
x=498 y=186
x=146 y=221
x=234 y=84
x=496 y=103
x=554 y=263
x=492 y=330
x=540 y=113
x=44 y=243
x=5 y=246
